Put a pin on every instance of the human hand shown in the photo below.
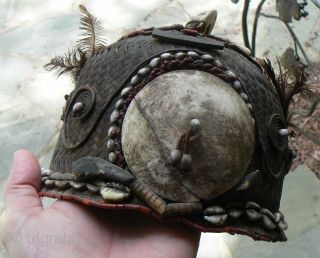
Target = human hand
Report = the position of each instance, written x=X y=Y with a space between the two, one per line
x=70 y=229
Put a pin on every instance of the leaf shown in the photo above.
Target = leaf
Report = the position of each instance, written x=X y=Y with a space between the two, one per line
x=235 y=1
x=288 y=58
x=91 y=43
x=288 y=9
x=71 y=63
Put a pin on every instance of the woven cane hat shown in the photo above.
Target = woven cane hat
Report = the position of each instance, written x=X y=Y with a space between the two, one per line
x=178 y=124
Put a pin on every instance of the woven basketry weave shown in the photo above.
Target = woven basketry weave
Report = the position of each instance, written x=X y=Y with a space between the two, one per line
x=110 y=70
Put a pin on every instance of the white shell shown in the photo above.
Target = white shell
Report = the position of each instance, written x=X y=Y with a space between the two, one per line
x=283 y=225
x=56 y=176
x=277 y=217
x=193 y=55
x=268 y=214
x=135 y=80
x=113 y=195
x=244 y=96
x=230 y=75
x=195 y=126
x=155 y=62
x=125 y=91
x=77 y=107
x=62 y=184
x=143 y=72
x=60 y=176
x=110 y=144
x=46 y=172
x=234 y=213
x=282 y=216
x=236 y=86
x=186 y=162
x=218 y=64
x=266 y=222
x=252 y=214
x=253 y=205
x=166 y=56
x=119 y=104
x=175 y=156
x=114 y=116
x=50 y=183
x=67 y=176
x=284 y=132
x=195 y=122
x=180 y=55
x=215 y=210
x=207 y=58
x=77 y=185
x=112 y=132
x=217 y=220
x=112 y=157
x=220 y=152
x=93 y=188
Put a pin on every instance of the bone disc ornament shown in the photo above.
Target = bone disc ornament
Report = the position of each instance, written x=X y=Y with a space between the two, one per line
x=177 y=124
x=221 y=150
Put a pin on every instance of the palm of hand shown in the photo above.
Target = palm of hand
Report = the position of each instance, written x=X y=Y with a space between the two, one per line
x=70 y=229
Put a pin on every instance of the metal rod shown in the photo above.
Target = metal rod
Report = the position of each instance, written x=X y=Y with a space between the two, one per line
x=316 y=3
x=244 y=24
x=303 y=52
x=302 y=113
x=308 y=135
x=255 y=25
x=293 y=35
x=305 y=115
x=297 y=41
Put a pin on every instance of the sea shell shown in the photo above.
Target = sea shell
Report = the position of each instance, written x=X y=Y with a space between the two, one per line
x=169 y=103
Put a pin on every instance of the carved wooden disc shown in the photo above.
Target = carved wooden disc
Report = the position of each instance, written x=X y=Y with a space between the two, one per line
x=161 y=112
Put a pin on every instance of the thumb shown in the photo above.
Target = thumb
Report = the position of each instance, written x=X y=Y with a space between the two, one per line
x=21 y=190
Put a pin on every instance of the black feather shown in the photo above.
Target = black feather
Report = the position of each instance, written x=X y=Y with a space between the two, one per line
x=73 y=61
x=288 y=83
x=91 y=43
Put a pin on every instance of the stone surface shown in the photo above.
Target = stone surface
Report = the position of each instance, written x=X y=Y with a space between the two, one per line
x=31 y=100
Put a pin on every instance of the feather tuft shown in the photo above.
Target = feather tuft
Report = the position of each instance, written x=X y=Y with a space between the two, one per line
x=71 y=63
x=74 y=60
x=91 y=43
x=288 y=83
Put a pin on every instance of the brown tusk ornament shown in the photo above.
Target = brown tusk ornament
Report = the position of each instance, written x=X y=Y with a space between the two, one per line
x=178 y=124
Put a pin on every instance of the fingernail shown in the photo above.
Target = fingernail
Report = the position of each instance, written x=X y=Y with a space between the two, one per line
x=15 y=155
x=14 y=159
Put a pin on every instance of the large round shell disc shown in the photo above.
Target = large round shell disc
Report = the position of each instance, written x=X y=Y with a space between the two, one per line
x=161 y=112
